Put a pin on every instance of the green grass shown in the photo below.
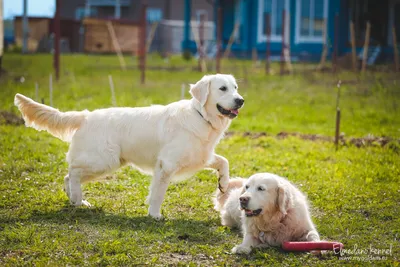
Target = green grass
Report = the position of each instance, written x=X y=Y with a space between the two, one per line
x=354 y=192
x=304 y=103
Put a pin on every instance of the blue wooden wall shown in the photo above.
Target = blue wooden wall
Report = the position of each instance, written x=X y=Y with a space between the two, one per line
x=250 y=30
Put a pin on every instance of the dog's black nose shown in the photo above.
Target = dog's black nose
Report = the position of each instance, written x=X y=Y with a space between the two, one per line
x=239 y=101
x=244 y=200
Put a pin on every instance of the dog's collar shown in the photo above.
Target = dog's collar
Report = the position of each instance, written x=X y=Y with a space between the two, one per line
x=201 y=115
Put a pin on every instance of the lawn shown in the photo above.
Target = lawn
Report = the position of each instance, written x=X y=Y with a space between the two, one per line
x=354 y=192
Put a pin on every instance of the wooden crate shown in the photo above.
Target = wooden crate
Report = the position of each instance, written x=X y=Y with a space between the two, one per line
x=98 y=38
x=38 y=29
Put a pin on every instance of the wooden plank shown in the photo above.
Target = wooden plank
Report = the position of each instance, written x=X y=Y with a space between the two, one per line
x=196 y=35
x=324 y=48
x=335 y=45
x=353 y=46
x=282 y=63
x=219 y=41
x=231 y=40
x=286 y=52
x=150 y=38
x=142 y=49
x=395 y=49
x=366 y=47
x=268 y=43
x=116 y=45
x=1 y=31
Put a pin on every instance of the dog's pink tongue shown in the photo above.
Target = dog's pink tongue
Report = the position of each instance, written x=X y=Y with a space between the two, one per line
x=235 y=111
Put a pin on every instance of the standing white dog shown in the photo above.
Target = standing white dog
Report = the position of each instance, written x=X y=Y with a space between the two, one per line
x=171 y=142
x=269 y=209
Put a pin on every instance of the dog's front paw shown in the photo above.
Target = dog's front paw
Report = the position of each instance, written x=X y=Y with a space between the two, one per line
x=87 y=204
x=240 y=249
x=156 y=216
x=223 y=185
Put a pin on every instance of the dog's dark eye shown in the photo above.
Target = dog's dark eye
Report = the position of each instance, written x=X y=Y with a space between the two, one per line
x=260 y=188
x=247 y=187
x=223 y=88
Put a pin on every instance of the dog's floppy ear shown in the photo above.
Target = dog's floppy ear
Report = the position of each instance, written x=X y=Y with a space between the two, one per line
x=243 y=189
x=200 y=90
x=283 y=198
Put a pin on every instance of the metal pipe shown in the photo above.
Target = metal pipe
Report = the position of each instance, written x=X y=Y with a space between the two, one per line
x=336 y=43
x=1 y=33
x=57 y=35
x=142 y=49
x=25 y=28
x=283 y=42
x=219 y=44
x=117 y=14
x=268 y=42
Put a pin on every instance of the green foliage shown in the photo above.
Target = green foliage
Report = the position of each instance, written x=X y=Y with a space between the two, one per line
x=353 y=192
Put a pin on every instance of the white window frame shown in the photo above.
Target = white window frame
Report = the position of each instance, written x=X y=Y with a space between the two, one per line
x=200 y=12
x=309 y=39
x=261 y=36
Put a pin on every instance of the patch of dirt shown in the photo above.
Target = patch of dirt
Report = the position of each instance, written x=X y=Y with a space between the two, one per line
x=310 y=137
x=10 y=118
x=179 y=258
x=11 y=254
x=369 y=140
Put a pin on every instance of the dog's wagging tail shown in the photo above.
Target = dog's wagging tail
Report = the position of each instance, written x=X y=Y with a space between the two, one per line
x=41 y=117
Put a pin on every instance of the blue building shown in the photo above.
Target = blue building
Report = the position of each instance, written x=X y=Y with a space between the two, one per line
x=304 y=25
x=8 y=32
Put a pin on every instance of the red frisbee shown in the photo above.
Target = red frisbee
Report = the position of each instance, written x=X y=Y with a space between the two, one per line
x=309 y=246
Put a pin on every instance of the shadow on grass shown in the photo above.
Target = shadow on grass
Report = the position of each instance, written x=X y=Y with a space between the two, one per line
x=175 y=230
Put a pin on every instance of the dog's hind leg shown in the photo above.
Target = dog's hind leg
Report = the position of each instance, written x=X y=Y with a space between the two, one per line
x=158 y=188
x=86 y=165
x=75 y=176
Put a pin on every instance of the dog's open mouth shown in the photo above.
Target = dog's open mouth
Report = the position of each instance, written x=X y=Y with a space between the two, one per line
x=231 y=113
x=250 y=213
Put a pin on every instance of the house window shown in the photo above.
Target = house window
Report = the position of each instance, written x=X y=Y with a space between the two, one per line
x=80 y=12
x=310 y=20
x=275 y=9
x=154 y=14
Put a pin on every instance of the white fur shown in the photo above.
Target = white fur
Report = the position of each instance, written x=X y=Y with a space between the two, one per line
x=171 y=142
x=284 y=217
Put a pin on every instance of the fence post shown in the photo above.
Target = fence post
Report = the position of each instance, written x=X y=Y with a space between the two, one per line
x=337 y=128
x=353 y=46
x=283 y=42
x=335 y=45
x=366 y=47
x=200 y=49
x=324 y=47
x=219 y=37
x=268 y=43
x=396 y=52
x=57 y=40
x=142 y=50
x=51 y=89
